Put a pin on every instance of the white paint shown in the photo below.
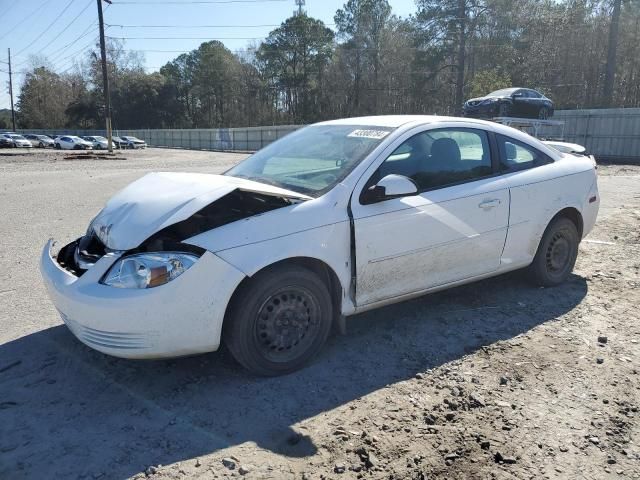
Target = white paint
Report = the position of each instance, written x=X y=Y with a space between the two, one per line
x=397 y=185
x=405 y=246
x=158 y=200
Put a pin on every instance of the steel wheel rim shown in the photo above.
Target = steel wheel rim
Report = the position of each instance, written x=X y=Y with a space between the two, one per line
x=287 y=324
x=558 y=253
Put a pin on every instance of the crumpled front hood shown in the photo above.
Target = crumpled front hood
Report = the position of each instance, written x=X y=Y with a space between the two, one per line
x=158 y=200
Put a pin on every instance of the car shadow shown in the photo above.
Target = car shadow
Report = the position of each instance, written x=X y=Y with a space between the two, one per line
x=67 y=411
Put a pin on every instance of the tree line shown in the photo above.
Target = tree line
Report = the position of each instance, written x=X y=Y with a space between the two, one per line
x=580 y=53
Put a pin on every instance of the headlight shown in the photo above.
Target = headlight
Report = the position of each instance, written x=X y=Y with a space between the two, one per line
x=490 y=100
x=147 y=270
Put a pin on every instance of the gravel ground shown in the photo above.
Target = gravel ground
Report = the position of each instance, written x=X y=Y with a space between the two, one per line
x=491 y=380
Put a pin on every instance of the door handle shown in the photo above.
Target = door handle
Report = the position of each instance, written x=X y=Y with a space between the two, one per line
x=487 y=204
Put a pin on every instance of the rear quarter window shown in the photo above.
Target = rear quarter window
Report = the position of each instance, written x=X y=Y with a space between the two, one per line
x=516 y=155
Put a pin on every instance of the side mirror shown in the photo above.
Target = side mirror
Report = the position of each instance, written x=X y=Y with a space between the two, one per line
x=391 y=186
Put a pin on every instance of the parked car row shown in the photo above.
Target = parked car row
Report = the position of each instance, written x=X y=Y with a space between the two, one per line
x=14 y=140
x=67 y=142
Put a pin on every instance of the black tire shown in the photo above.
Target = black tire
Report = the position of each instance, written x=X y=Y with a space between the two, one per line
x=41 y=145
x=58 y=147
x=543 y=114
x=504 y=109
x=557 y=253
x=279 y=320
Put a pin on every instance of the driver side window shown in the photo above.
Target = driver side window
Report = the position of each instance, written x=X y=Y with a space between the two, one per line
x=438 y=158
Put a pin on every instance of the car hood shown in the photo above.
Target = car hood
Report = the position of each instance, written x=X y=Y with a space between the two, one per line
x=159 y=200
x=481 y=99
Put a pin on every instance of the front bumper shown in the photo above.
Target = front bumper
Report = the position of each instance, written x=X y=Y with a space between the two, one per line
x=481 y=110
x=182 y=317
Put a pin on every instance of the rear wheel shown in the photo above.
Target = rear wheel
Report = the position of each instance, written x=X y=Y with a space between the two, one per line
x=279 y=320
x=557 y=253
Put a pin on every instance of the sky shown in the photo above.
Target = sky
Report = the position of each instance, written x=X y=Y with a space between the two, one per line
x=62 y=30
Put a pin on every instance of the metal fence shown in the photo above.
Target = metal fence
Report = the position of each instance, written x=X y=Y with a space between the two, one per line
x=224 y=139
x=609 y=134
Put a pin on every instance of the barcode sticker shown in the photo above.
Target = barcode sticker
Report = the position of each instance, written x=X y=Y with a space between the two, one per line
x=377 y=134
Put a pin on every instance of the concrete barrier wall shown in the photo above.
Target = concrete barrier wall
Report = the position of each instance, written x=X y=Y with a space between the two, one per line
x=609 y=134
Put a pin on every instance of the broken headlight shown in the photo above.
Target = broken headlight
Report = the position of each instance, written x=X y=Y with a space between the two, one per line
x=147 y=270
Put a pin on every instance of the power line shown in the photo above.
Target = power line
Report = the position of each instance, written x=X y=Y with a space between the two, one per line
x=84 y=33
x=68 y=25
x=74 y=54
x=197 y=2
x=28 y=17
x=186 y=38
x=48 y=27
x=197 y=26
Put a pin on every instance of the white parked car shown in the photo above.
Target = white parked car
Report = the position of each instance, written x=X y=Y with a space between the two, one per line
x=98 y=143
x=18 y=141
x=71 y=142
x=41 y=141
x=133 y=142
x=334 y=219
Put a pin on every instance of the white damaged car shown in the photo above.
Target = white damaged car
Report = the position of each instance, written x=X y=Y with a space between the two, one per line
x=334 y=219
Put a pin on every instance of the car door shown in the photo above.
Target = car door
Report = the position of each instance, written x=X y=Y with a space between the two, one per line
x=535 y=103
x=453 y=229
x=520 y=103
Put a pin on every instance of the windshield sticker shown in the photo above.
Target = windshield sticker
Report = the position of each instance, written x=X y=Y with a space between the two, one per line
x=376 y=134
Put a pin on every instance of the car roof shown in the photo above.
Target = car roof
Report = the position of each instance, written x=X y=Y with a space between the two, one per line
x=394 y=121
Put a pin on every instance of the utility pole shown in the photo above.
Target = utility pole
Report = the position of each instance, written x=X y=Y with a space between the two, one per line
x=300 y=4
x=13 y=113
x=610 y=72
x=105 y=77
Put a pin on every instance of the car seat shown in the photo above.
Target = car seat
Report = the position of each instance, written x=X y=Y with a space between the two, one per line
x=445 y=156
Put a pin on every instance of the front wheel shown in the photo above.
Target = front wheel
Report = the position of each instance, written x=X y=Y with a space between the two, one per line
x=543 y=114
x=279 y=320
x=504 y=110
x=557 y=253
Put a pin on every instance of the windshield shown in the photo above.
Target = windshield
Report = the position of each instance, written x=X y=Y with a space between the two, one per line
x=312 y=160
x=500 y=93
x=18 y=137
x=100 y=139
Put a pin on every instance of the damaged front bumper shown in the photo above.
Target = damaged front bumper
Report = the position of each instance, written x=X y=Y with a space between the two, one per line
x=182 y=317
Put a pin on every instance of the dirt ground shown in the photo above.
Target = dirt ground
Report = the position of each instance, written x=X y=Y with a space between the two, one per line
x=492 y=380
